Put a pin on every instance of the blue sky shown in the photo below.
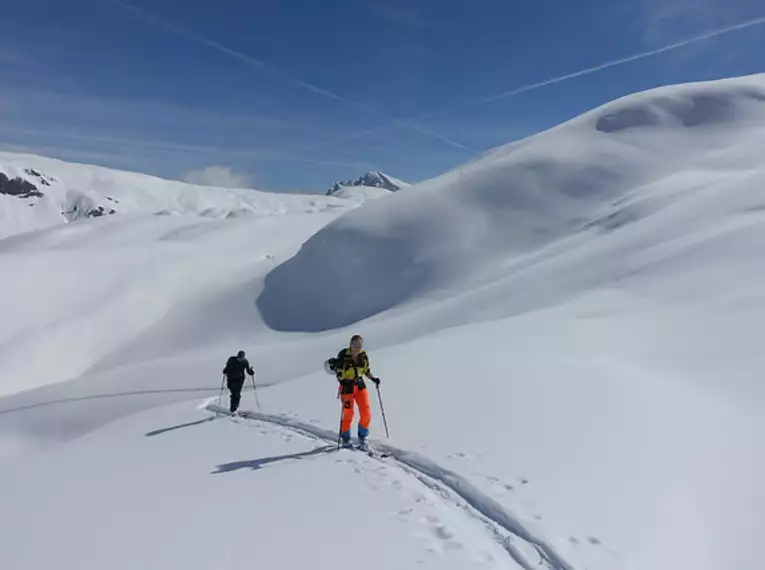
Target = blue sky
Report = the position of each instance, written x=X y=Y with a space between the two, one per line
x=295 y=94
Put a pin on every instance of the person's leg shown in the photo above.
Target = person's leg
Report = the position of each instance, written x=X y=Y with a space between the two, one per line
x=345 y=424
x=235 y=385
x=365 y=412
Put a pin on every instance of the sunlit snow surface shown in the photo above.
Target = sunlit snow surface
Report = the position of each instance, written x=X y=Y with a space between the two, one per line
x=568 y=330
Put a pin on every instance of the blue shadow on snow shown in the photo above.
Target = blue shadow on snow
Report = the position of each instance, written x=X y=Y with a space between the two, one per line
x=256 y=464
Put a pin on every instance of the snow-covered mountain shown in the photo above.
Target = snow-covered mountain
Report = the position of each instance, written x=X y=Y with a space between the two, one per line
x=568 y=333
x=615 y=166
x=372 y=179
x=38 y=192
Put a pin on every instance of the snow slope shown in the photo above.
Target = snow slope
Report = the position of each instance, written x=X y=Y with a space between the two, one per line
x=211 y=500
x=108 y=280
x=645 y=156
x=567 y=329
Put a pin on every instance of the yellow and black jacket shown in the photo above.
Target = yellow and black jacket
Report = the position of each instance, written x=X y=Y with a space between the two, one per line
x=350 y=373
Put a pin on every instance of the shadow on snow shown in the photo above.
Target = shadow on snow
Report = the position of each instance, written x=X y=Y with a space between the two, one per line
x=261 y=462
x=179 y=426
x=105 y=396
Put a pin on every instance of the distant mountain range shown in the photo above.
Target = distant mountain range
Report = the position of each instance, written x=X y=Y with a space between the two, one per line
x=38 y=192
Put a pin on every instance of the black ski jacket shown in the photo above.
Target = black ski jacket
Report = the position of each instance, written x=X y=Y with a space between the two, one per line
x=236 y=368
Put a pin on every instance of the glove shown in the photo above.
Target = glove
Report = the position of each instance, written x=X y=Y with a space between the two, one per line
x=376 y=381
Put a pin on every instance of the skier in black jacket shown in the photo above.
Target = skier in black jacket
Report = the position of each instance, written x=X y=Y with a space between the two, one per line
x=235 y=368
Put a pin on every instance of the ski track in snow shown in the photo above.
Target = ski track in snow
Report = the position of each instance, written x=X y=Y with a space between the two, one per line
x=507 y=529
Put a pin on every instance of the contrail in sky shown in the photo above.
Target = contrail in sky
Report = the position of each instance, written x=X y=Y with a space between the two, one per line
x=264 y=67
x=590 y=70
x=411 y=122
x=554 y=80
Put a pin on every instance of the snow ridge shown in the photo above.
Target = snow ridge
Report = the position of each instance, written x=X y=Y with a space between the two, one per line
x=37 y=193
x=441 y=479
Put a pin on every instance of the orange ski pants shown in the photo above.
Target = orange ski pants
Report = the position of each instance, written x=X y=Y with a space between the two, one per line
x=361 y=397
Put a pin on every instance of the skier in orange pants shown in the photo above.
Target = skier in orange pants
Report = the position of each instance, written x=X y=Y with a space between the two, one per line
x=350 y=367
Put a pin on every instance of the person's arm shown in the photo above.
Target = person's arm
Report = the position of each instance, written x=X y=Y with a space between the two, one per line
x=248 y=368
x=225 y=368
x=369 y=374
x=340 y=365
x=373 y=378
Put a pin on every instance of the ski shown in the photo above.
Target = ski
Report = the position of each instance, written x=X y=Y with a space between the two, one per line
x=365 y=449
x=371 y=452
x=250 y=415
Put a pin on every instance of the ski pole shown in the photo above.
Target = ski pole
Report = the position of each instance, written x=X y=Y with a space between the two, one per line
x=385 y=420
x=220 y=396
x=340 y=423
x=255 y=391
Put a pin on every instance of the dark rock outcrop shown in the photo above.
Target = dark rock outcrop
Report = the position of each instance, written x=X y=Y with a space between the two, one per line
x=81 y=210
x=18 y=187
x=373 y=178
x=41 y=177
x=100 y=211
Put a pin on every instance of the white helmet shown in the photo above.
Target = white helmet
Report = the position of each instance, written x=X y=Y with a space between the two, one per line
x=329 y=366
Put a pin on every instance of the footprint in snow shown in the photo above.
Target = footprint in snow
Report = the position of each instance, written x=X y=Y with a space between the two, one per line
x=444 y=534
x=498 y=482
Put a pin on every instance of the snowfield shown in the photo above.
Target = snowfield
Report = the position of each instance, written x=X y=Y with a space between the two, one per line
x=568 y=331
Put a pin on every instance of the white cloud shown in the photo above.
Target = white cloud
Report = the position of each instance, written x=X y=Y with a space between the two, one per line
x=218 y=176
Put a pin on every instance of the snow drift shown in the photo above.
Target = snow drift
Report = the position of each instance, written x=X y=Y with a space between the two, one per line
x=597 y=172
